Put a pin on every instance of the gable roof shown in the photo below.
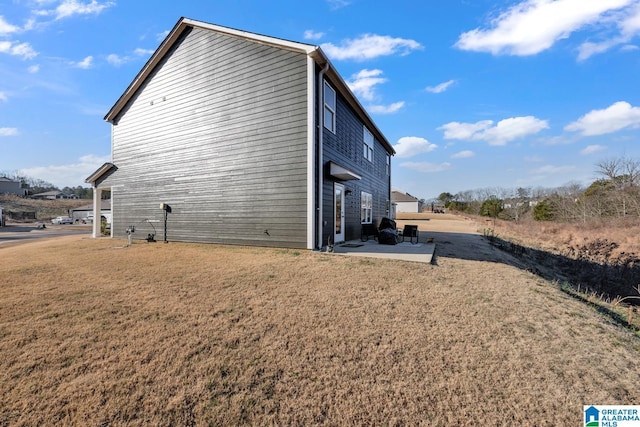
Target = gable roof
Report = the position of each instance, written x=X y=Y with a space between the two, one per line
x=100 y=172
x=397 y=196
x=315 y=52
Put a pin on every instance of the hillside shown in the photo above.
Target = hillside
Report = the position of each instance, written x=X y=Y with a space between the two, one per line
x=44 y=209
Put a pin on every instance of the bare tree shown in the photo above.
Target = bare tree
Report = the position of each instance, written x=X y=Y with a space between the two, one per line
x=624 y=175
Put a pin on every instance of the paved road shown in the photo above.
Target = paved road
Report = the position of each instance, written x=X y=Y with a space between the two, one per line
x=19 y=233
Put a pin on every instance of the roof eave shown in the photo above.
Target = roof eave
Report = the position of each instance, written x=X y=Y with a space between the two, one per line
x=105 y=168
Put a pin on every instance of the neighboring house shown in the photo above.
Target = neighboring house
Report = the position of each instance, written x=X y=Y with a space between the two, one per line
x=249 y=139
x=82 y=212
x=53 y=195
x=406 y=203
x=9 y=186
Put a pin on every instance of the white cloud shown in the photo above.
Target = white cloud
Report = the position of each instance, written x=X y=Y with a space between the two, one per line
x=426 y=167
x=9 y=132
x=441 y=87
x=3 y=96
x=6 y=28
x=552 y=170
x=363 y=83
x=70 y=175
x=73 y=7
x=85 y=64
x=533 y=159
x=116 y=60
x=370 y=46
x=313 y=35
x=617 y=116
x=464 y=131
x=386 y=109
x=338 y=4
x=409 y=146
x=589 y=49
x=465 y=154
x=23 y=50
x=162 y=35
x=533 y=26
x=513 y=128
x=503 y=132
x=33 y=69
x=629 y=48
x=591 y=149
x=143 y=52
x=628 y=22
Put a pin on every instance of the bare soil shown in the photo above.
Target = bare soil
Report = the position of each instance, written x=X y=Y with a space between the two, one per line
x=96 y=333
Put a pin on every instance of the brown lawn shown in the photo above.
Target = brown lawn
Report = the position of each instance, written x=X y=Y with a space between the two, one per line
x=93 y=333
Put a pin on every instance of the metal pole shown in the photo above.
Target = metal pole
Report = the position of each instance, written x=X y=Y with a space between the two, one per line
x=165 y=226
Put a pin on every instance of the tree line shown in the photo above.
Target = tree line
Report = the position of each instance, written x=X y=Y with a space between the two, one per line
x=615 y=194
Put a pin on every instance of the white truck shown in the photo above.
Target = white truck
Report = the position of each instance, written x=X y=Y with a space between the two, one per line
x=103 y=217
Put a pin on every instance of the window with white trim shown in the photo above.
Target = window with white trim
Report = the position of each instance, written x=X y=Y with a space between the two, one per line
x=329 y=107
x=368 y=144
x=366 y=212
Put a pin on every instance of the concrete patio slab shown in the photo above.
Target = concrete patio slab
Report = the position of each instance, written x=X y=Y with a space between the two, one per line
x=405 y=251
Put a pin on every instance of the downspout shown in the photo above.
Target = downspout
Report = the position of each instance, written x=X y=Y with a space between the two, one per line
x=320 y=167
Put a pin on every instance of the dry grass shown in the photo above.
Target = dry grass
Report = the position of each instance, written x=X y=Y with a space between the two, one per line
x=558 y=236
x=183 y=334
x=44 y=209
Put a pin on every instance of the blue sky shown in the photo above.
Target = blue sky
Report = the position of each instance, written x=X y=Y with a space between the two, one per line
x=472 y=93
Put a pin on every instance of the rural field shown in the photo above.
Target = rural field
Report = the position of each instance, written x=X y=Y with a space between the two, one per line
x=96 y=333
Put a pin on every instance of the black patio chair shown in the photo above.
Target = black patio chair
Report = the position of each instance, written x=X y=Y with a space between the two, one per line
x=410 y=231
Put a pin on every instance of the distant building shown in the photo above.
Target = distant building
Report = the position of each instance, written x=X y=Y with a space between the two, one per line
x=406 y=202
x=9 y=186
x=53 y=195
x=79 y=213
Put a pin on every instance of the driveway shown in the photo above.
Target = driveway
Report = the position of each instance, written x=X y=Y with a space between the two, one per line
x=20 y=233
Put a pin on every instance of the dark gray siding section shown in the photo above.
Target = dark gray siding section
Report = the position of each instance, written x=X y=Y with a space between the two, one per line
x=219 y=132
x=345 y=148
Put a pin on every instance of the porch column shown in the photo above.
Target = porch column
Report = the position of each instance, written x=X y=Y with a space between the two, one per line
x=97 y=212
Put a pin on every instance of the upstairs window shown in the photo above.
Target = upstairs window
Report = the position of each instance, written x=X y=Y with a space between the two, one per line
x=329 y=108
x=366 y=213
x=388 y=165
x=368 y=144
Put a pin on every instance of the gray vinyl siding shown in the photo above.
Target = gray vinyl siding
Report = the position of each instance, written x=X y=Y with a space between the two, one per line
x=345 y=148
x=219 y=132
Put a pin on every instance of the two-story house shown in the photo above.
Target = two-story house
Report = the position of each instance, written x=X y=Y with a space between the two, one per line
x=249 y=139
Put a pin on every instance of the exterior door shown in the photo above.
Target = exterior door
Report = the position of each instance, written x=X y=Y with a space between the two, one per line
x=338 y=201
